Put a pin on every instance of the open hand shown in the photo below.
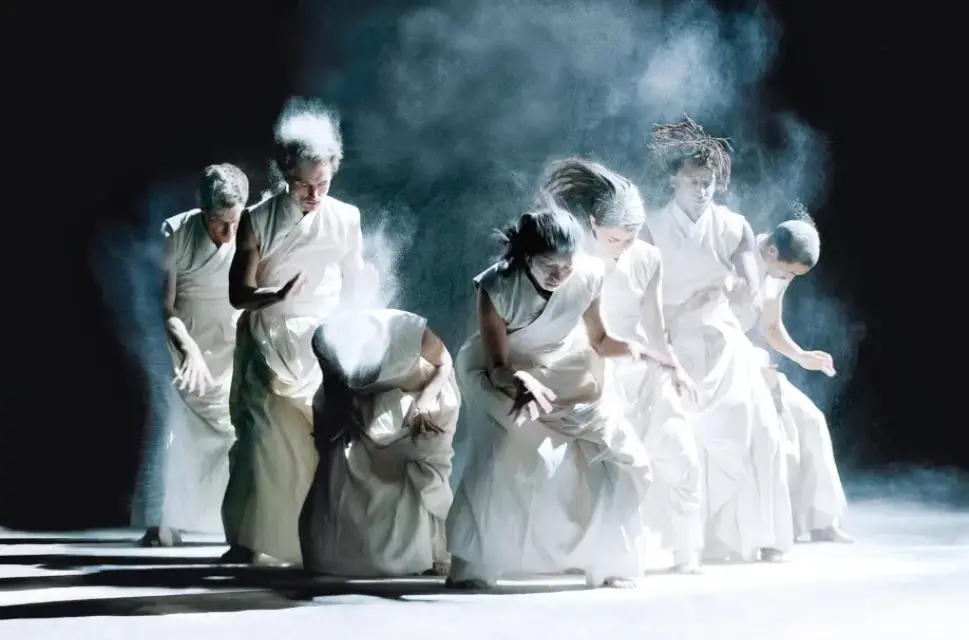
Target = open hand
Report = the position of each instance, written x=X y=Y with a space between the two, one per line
x=684 y=387
x=293 y=286
x=818 y=361
x=193 y=375
x=643 y=353
x=419 y=418
x=532 y=400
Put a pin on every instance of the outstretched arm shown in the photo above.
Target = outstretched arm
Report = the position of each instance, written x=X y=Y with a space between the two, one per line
x=243 y=292
x=608 y=346
x=434 y=351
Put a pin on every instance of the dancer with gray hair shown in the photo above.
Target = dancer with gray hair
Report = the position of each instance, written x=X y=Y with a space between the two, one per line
x=655 y=398
x=706 y=249
x=548 y=443
x=299 y=253
x=817 y=496
x=200 y=323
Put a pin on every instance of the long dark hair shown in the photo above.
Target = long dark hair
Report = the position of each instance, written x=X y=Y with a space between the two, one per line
x=548 y=229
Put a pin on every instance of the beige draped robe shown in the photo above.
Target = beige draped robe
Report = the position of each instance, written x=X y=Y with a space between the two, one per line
x=197 y=464
x=378 y=504
x=560 y=492
x=277 y=374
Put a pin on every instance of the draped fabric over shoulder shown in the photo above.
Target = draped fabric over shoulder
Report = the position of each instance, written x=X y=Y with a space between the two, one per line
x=276 y=373
x=197 y=464
x=654 y=409
x=746 y=498
x=380 y=497
x=548 y=495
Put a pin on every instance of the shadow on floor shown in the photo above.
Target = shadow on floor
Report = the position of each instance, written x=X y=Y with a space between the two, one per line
x=230 y=588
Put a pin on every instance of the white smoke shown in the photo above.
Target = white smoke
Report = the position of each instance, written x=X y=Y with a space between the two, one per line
x=313 y=124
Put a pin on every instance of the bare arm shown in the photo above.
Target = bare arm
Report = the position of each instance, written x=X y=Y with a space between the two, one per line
x=243 y=292
x=600 y=340
x=434 y=351
x=174 y=327
x=744 y=260
x=654 y=322
x=773 y=329
x=494 y=337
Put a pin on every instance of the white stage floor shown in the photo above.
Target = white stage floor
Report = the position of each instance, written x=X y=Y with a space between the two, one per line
x=907 y=577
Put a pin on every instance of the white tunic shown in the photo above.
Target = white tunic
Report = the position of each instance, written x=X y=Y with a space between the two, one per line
x=817 y=494
x=560 y=492
x=746 y=498
x=653 y=407
x=277 y=374
x=378 y=504
x=197 y=464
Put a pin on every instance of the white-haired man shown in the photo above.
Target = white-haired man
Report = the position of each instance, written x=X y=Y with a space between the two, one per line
x=817 y=496
x=297 y=251
x=200 y=322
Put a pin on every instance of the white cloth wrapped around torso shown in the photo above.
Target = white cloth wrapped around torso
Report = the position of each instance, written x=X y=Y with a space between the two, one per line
x=746 y=502
x=197 y=464
x=545 y=496
x=277 y=374
x=378 y=503
x=652 y=406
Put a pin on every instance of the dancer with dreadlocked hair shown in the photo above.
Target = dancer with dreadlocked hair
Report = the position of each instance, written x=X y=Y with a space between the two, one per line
x=548 y=444
x=706 y=249
x=632 y=309
x=300 y=252
x=792 y=249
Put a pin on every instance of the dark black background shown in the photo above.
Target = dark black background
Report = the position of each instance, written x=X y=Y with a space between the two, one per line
x=100 y=101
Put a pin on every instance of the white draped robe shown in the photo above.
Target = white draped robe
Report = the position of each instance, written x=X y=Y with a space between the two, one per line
x=561 y=492
x=817 y=494
x=277 y=374
x=201 y=433
x=378 y=504
x=653 y=408
x=746 y=500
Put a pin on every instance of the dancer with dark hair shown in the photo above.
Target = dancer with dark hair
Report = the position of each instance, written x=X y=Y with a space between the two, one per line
x=706 y=249
x=549 y=447
x=384 y=420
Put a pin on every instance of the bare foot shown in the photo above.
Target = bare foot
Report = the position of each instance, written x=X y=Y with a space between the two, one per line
x=466 y=585
x=160 y=537
x=771 y=555
x=439 y=569
x=831 y=534
x=238 y=554
x=620 y=583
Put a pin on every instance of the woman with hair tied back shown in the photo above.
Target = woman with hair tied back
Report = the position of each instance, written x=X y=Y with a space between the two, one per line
x=543 y=491
x=632 y=307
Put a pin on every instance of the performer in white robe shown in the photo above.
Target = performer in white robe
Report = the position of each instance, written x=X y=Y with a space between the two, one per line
x=632 y=310
x=549 y=447
x=200 y=323
x=747 y=506
x=296 y=252
x=817 y=495
x=384 y=422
